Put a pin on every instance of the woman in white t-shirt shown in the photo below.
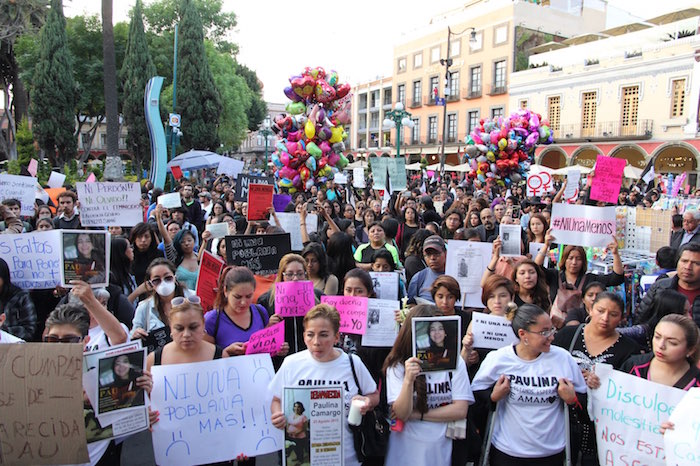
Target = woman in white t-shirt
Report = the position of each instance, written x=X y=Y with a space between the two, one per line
x=529 y=380
x=426 y=404
x=326 y=366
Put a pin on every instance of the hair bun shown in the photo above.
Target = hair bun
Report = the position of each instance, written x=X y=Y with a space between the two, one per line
x=512 y=310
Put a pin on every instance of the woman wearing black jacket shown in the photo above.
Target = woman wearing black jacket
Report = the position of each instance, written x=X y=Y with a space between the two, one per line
x=15 y=303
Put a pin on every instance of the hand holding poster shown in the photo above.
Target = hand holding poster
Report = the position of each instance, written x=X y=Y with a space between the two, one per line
x=491 y=331
x=436 y=342
x=510 y=240
x=382 y=328
x=289 y=222
x=386 y=285
x=607 y=179
x=294 y=299
x=34 y=259
x=217 y=230
x=466 y=262
x=243 y=183
x=208 y=279
x=109 y=204
x=85 y=257
x=353 y=312
x=582 y=225
x=268 y=340
x=259 y=201
x=170 y=201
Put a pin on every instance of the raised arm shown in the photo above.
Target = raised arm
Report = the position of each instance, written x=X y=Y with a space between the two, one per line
x=495 y=255
x=106 y=320
x=548 y=239
x=161 y=227
x=560 y=193
x=304 y=232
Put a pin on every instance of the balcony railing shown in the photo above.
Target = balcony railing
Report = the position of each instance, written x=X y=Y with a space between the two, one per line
x=471 y=93
x=498 y=89
x=642 y=129
x=453 y=97
x=451 y=138
x=416 y=102
x=429 y=100
x=432 y=140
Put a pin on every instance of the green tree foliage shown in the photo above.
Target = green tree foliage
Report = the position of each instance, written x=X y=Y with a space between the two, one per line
x=198 y=99
x=136 y=70
x=53 y=89
x=258 y=108
x=25 y=143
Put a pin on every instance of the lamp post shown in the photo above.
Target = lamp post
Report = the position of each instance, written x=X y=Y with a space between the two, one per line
x=396 y=119
x=266 y=132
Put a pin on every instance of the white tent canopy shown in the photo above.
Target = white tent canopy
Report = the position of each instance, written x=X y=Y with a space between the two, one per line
x=196 y=159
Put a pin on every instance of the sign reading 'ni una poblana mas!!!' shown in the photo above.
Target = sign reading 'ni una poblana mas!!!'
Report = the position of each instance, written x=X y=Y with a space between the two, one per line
x=213 y=411
x=260 y=253
x=352 y=310
x=34 y=259
x=109 y=204
x=243 y=183
x=583 y=225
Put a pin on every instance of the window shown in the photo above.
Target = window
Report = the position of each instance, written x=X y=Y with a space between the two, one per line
x=497 y=112
x=386 y=139
x=475 y=82
x=478 y=42
x=122 y=142
x=387 y=96
x=499 y=76
x=452 y=127
x=363 y=102
x=401 y=91
x=677 y=97
x=85 y=138
x=630 y=109
x=472 y=120
x=401 y=64
x=418 y=60
x=415 y=131
x=103 y=140
x=435 y=54
x=432 y=129
x=434 y=86
x=417 y=91
x=500 y=35
x=454 y=84
x=590 y=105
x=523 y=103
x=374 y=99
x=554 y=112
x=374 y=121
x=455 y=47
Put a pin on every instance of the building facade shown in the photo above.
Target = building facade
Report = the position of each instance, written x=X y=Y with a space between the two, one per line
x=371 y=101
x=257 y=147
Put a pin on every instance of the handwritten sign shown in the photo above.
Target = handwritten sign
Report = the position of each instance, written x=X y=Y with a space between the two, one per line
x=22 y=188
x=358 y=177
x=208 y=279
x=607 y=178
x=397 y=174
x=41 y=404
x=294 y=299
x=379 y=171
x=491 y=331
x=582 y=225
x=34 y=259
x=56 y=180
x=243 y=183
x=466 y=263
x=260 y=253
x=539 y=184
x=230 y=167
x=340 y=178
x=281 y=201
x=382 y=328
x=268 y=340
x=289 y=222
x=352 y=310
x=385 y=284
x=572 y=181
x=109 y=204
x=170 y=201
x=683 y=441
x=628 y=412
x=259 y=200
x=213 y=411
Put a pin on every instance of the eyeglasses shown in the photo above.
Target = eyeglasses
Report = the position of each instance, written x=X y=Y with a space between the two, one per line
x=545 y=333
x=292 y=275
x=157 y=281
x=68 y=339
x=180 y=300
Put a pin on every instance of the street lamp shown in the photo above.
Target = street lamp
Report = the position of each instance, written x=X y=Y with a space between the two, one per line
x=266 y=133
x=396 y=119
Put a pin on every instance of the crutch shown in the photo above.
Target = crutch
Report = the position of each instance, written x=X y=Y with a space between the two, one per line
x=567 y=433
x=490 y=422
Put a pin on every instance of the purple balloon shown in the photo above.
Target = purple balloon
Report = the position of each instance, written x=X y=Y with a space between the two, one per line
x=291 y=95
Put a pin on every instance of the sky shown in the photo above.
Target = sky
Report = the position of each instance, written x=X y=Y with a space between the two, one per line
x=356 y=38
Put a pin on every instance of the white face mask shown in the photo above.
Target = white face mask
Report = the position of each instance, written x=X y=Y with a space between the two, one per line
x=165 y=288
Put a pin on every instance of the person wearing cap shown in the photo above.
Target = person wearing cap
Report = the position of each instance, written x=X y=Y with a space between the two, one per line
x=435 y=256
x=205 y=201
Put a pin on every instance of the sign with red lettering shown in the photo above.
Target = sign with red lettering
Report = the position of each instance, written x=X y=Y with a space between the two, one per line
x=268 y=340
x=259 y=201
x=208 y=279
x=539 y=184
x=294 y=299
x=352 y=310
x=582 y=225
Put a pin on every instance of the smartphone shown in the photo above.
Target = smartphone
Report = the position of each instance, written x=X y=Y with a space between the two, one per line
x=516 y=211
x=310 y=208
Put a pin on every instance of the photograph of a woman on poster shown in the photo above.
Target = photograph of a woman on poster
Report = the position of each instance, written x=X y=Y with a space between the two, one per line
x=436 y=343
x=298 y=436
x=85 y=257
x=118 y=389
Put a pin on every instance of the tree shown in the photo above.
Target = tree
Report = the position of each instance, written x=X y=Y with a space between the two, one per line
x=198 y=100
x=258 y=108
x=136 y=70
x=53 y=91
x=110 y=80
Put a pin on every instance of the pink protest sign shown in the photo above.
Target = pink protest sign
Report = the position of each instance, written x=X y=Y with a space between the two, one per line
x=353 y=312
x=268 y=340
x=294 y=299
x=91 y=178
x=33 y=167
x=607 y=179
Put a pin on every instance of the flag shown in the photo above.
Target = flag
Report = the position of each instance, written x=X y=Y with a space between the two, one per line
x=649 y=176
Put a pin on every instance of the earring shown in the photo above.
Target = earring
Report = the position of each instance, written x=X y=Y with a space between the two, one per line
x=526 y=342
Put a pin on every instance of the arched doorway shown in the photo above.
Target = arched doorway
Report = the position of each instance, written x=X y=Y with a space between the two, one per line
x=634 y=154
x=676 y=158
x=553 y=158
x=585 y=156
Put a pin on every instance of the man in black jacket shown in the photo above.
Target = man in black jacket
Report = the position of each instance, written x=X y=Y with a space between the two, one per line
x=690 y=232
x=194 y=213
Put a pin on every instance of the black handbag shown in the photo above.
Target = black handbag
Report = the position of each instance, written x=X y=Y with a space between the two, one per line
x=371 y=437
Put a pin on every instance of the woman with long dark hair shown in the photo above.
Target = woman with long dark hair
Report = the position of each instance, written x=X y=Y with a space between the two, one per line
x=414 y=253
x=16 y=306
x=186 y=260
x=317 y=265
x=146 y=246
x=340 y=254
x=408 y=226
x=665 y=302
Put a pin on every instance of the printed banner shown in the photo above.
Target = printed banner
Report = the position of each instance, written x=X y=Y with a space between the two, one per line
x=436 y=342
x=243 y=183
x=294 y=299
x=259 y=201
x=208 y=279
x=34 y=259
x=260 y=253
x=268 y=340
x=379 y=171
x=289 y=222
x=607 y=179
x=352 y=310
x=85 y=257
x=22 y=188
x=386 y=285
x=109 y=204
x=539 y=184
x=582 y=225
x=213 y=411
x=466 y=263
x=682 y=443
x=491 y=332
x=382 y=328
x=628 y=412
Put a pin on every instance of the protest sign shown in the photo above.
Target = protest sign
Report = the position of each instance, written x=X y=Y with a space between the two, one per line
x=491 y=331
x=572 y=180
x=260 y=253
x=259 y=201
x=170 y=201
x=386 y=284
x=208 y=278
x=85 y=257
x=539 y=184
x=466 y=263
x=34 y=259
x=41 y=404
x=243 y=183
x=358 y=177
x=281 y=201
x=56 y=180
x=22 y=188
x=340 y=178
x=582 y=225
x=33 y=167
x=294 y=298
x=91 y=179
x=213 y=411
x=628 y=412
x=352 y=310
x=379 y=171
x=116 y=388
x=315 y=420
x=436 y=342
x=607 y=178
x=230 y=167
x=397 y=174
x=682 y=443
x=109 y=204
x=268 y=340
x=534 y=249
x=157 y=338
x=382 y=328
x=290 y=221
x=510 y=240
x=217 y=230
x=176 y=171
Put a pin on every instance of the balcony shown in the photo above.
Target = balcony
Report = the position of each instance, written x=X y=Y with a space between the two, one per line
x=451 y=138
x=454 y=96
x=498 y=89
x=470 y=94
x=604 y=130
x=429 y=100
x=432 y=139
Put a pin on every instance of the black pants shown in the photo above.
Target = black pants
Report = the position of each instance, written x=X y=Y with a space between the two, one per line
x=498 y=458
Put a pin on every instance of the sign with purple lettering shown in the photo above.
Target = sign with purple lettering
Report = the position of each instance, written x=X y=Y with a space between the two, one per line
x=268 y=340
x=353 y=312
x=583 y=225
x=607 y=179
x=294 y=299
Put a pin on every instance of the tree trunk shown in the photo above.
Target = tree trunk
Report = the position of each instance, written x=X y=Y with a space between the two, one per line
x=110 y=81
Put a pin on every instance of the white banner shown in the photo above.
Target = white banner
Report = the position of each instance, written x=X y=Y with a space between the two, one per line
x=34 y=259
x=109 y=204
x=382 y=328
x=466 y=262
x=289 y=222
x=491 y=331
x=539 y=184
x=22 y=188
x=340 y=178
x=386 y=284
x=230 y=167
x=572 y=181
x=358 y=177
x=582 y=225
x=628 y=412
x=213 y=411
x=683 y=441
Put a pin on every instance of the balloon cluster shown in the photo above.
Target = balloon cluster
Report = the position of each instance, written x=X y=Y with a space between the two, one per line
x=501 y=150
x=311 y=133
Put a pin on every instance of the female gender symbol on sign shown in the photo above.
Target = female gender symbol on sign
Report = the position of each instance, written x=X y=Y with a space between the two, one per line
x=539 y=183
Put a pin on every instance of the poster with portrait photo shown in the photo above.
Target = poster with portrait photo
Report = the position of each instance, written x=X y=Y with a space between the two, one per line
x=85 y=257
x=436 y=342
x=510 y=240
x=116 y=386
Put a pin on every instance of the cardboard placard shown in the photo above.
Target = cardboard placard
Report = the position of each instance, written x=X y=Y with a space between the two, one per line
x=260 y=253
x=170 y=200
x=352 y=310
x=259 y=201
x=208 y=279
x=294 y=298
x=34 y=259
x=22 y=188
x=243 y=183
x=607 y=179
x=582 y=225
x=382 y=328
x=85 y=257
x=290 y=221
x=268 y=340
x=109 y=204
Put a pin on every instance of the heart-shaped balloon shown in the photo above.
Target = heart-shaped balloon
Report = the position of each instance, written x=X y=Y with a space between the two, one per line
x=342 y=90
x=291 y=95
x=325 y=93
x=303 y=86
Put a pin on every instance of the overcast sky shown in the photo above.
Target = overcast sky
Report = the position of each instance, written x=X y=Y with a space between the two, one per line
x=278 y=38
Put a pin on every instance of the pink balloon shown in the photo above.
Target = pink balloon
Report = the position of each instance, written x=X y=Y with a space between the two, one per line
x=284 y=158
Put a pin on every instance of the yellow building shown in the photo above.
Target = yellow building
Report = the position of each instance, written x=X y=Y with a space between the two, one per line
x=371 y=101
